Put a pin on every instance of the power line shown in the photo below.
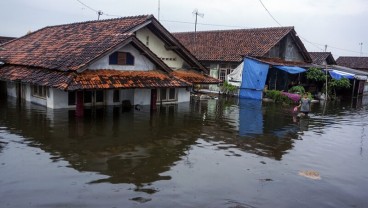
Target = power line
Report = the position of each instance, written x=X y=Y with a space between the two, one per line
x=317 y=45
x=270 y=13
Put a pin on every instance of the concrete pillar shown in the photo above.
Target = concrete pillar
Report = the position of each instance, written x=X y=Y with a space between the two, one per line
x=79 y=111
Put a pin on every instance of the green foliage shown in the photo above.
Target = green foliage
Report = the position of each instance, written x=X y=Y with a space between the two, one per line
x=228 y=88
x=297 y=89
x=342 y=83
x=315 y=74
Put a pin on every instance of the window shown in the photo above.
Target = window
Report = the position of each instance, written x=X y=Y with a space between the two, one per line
x=71 y=98
x=39 y=91
x=116 y=96
x=99 y=96
x=222 y=74
x=121 y=58
x=87 y=97
x=168 y=94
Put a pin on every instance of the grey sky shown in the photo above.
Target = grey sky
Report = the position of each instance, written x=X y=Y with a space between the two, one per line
x=341 y=24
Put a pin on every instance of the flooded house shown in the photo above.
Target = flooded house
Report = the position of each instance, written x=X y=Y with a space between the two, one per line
x=96 y=63
x=343 y=67
x=224 y=50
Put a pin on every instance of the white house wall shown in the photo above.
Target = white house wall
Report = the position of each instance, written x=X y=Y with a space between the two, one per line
x=156 y=45
x=142 y=97
x=141 y=63
x=183 y=95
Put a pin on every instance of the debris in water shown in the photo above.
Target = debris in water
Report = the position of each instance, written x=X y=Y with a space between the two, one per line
x=140 y=199
x=312 y=174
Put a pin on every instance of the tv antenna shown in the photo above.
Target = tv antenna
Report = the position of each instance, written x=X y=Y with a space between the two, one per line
x=196 y=13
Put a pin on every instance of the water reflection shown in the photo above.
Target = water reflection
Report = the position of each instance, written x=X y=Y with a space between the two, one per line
x=138 y=147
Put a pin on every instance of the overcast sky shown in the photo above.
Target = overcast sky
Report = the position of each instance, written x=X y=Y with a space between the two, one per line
x=339 y=24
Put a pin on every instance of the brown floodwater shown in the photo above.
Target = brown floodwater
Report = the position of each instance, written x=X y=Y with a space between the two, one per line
x=206 y=153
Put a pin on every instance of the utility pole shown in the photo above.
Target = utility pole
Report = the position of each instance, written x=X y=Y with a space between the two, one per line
x=196 y=13
x=99 y=13
x=158 y=12
x=361 y=48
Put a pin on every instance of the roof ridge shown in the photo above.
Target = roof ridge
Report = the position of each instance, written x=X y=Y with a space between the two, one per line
x=104 y=20
x=235 y=30
x=353 y=56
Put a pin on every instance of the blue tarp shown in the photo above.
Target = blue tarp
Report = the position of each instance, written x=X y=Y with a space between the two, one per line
x=250 y=117
x=253 y=79
x=339 y=74
x=291 y=69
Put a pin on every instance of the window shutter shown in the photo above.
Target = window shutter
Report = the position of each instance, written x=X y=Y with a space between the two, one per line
x=113 y=58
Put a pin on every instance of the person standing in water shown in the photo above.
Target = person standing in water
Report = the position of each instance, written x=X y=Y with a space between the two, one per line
x=304 y=104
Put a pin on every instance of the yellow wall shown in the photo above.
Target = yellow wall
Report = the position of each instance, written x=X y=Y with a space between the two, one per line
x=157 y=46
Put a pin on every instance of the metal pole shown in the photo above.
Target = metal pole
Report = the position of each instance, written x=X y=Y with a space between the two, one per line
x=326 y=84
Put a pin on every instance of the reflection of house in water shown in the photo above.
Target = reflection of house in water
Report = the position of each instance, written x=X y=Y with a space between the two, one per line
x=131 y=147
x=264 y=130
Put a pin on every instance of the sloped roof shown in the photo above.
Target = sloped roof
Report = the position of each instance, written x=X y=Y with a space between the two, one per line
x=194 y=77
x=4 y=39
x=91 y=79
x=232 y=45
x=109 y=79
x=70 y=46
x=353 y=62
x=320 y=57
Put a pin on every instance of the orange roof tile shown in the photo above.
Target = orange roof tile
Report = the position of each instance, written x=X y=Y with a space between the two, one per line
x=195 y=77
x=70 y=46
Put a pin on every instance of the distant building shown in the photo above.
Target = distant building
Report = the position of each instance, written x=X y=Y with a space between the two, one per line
x=322 y=58
x=358 y=63
x=103 y=62
x=222 y=51
x=4 y=39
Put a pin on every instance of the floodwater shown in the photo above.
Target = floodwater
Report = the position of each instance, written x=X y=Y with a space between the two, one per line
x=208 y=153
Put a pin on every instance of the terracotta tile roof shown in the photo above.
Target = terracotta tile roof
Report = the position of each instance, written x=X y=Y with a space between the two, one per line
x=360 y=63
x=4 y=39
x=320 y=57
x=37 y=76
x=281 y=62
x=195 y=77
x=70 y=46
x=91 y=79
x=108 y=79
x=231 y=45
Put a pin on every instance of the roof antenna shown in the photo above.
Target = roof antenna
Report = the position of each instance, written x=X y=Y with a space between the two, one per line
x=99 y=13
x=196 y=13
x=361 y=48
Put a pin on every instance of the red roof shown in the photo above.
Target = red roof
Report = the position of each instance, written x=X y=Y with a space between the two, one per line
x=108 y=79
x=195 y=77
x=353 y=62
x=321 y=57
x=70 y=46
x=92 y=79
x=232 y=45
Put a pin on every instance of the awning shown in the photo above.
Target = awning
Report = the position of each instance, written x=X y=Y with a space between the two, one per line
x=291 y=69
x=336 y=74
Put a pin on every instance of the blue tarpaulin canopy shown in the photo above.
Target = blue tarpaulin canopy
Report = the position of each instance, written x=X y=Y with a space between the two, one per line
x=253 y=79
x=336 y=74
x=291 y=69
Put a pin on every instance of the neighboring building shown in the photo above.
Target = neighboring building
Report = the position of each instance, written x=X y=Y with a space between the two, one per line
x=4 y=39
x=358 y=63
x=322 y=58
x=100 y=63
x=222 y=51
